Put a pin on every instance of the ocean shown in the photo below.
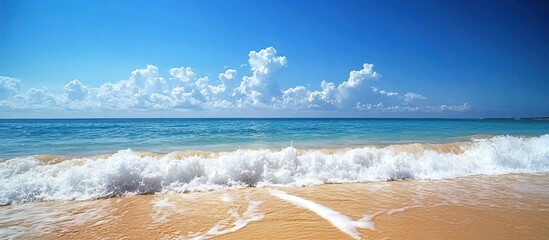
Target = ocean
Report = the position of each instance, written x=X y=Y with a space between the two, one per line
x=85 y=137
x=45 y=163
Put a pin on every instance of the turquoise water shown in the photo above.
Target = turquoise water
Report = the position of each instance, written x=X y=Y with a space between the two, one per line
x=76 y=137
x=104 y=157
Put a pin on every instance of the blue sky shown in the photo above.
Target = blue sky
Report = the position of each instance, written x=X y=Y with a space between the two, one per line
x=269 y=59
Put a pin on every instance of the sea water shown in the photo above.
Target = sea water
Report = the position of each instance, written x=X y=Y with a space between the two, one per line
x=85 y=137
x=95 y=158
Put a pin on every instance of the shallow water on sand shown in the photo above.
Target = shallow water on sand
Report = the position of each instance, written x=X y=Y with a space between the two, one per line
x=476 y=207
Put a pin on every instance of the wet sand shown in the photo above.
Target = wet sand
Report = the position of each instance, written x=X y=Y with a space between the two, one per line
x=477 y=207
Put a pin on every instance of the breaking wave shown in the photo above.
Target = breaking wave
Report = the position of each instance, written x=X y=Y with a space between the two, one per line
x=129 y=172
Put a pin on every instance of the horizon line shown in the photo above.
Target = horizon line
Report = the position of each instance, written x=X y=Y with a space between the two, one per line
x=273 y=118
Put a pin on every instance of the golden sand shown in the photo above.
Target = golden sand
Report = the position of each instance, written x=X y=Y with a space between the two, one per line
x=478 y=207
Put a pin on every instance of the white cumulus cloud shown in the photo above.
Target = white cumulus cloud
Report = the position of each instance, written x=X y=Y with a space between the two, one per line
x=75 y=90
x=385 y=93
x=380 y=107
x=9 y=87
x=409 y=97
x=257 y=89
x=183 y=89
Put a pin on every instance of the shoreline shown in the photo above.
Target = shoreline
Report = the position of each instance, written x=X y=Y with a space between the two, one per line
x=475 y=207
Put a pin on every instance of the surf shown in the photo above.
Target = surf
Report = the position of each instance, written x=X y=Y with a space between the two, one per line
x=129 y=172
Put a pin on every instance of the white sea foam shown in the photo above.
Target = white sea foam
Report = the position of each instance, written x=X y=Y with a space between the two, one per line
x=342 y=222
x=402 y=209
x=238 y=222
x=22 y=222
x=163 y=209
x=226 y=198
x=127 y=172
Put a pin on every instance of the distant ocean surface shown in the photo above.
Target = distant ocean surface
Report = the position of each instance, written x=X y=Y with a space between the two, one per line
x=97 y=158
x=82 y=137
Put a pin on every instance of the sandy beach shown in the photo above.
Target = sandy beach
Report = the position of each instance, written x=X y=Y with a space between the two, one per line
x=476 y=207
x=314 y=120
